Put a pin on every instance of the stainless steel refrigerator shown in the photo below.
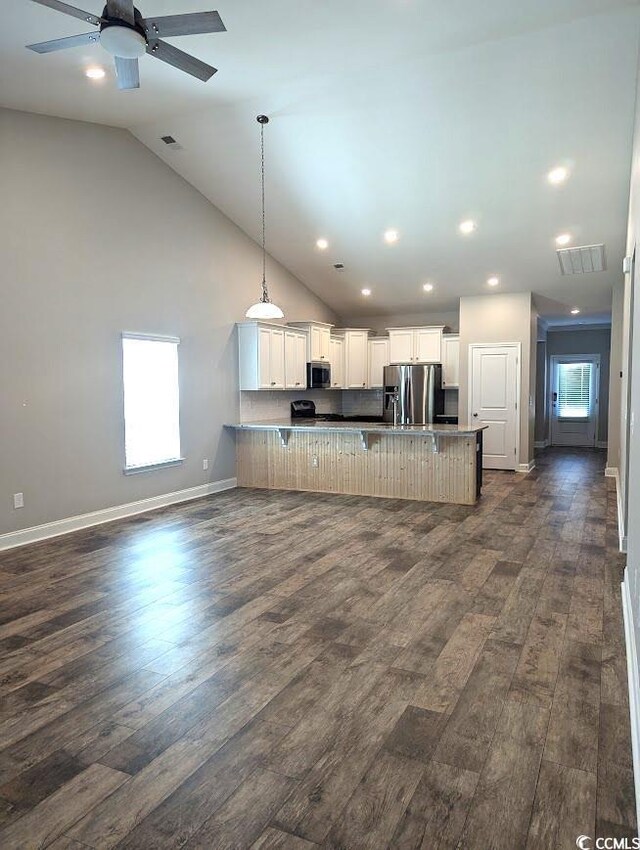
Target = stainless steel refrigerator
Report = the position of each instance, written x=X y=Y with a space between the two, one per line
x=413 y=395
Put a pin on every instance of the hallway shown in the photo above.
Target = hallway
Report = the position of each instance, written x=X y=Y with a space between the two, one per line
x=287 y=670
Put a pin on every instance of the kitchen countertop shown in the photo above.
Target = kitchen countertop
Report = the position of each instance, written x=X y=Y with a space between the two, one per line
x=437 y=429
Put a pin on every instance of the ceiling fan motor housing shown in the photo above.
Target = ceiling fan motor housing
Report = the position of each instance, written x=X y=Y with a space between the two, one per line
x=120 y=38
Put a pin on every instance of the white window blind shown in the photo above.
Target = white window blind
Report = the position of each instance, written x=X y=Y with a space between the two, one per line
x=575 y=382
x=151 y=400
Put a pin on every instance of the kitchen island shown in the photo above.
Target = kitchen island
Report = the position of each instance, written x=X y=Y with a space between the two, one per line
x=432 y=463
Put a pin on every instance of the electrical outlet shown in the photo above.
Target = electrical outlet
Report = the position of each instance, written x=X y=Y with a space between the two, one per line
x=314 y=462
x=18 y=500
x=205 y=464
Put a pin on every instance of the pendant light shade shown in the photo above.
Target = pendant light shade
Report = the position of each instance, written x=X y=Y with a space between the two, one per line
x=264 y=308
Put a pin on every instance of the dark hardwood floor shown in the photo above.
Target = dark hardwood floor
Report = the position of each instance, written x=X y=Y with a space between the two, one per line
x=287 y=670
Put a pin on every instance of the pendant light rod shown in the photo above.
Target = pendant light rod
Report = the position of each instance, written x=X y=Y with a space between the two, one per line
x=262 y=120
x=264 y=308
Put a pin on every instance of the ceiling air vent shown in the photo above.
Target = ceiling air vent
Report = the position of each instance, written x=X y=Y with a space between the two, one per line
x=582 y=260
x=172 y=143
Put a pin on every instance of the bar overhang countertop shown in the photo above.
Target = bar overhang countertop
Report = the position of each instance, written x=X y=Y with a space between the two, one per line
x=431 y=462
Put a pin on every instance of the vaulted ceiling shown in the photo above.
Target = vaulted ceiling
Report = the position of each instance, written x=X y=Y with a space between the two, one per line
x=405 y=114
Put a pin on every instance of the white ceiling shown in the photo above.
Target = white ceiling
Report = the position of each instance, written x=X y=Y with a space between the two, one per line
x=413 y=114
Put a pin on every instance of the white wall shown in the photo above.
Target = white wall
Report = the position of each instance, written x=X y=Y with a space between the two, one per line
x=508 y=317
x=630 y=407
x=98 y=236
x=615 y=378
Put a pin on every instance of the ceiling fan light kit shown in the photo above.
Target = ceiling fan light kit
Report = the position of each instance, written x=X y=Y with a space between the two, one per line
x=127 y=36
x=264 y=308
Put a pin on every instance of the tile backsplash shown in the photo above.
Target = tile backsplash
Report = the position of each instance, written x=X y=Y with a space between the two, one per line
x=264 y=404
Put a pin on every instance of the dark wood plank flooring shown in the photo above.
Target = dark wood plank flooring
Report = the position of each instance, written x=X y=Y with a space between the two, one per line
x=292 y=670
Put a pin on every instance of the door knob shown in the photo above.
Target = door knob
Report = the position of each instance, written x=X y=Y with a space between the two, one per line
x=475 y=415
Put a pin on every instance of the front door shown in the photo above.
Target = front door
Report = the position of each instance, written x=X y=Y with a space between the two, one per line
x=494 y=402
x=574 y=400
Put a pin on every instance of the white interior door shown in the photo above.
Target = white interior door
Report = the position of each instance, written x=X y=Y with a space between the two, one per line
x=494 y=386
x=574 y=400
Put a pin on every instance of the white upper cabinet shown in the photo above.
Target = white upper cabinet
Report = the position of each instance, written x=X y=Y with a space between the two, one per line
x=401 y=345
x=450 y=360
x=263 y=350
x=428 y=345
x=336 y=358
x=356 y=359
x=415 y=345
x=378 y=359
x=319 y=339
x=295 y=360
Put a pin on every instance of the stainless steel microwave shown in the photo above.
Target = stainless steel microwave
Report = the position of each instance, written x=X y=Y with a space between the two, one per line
x=318 y=376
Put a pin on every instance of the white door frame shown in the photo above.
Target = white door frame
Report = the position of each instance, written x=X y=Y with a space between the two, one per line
x=518 y=348
x=574 y=358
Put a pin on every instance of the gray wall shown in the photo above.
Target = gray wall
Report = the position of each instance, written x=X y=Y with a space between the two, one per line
x=542 y=420
x=592 y=341
x=615 y=378
x=381 y=322
x=98 y=236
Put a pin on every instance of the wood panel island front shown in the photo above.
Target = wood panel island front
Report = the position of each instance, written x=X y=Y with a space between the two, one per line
x=431 y=463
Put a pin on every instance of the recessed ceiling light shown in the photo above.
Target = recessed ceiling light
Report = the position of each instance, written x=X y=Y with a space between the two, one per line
x=467 y=226
x=493 y=280
x=95 y=73
x=391 y=236
x=558 y=175
x=366 y=292
x=575 y=311
x=563 y=239
x=322 y=244
x=428 y=287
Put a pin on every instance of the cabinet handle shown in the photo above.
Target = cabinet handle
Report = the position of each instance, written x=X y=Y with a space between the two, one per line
x=273 y=383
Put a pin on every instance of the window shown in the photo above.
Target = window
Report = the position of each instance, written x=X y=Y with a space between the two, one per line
x=151 y=400
x=575 y=383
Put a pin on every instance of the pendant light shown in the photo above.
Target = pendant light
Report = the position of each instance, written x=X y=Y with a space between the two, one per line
x=264 y=308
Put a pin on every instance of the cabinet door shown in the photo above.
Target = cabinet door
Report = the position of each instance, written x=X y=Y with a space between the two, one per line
x=428 y=345
x=325 y=344
x=301 y=360
x=378 y=359
x=264 y=358
x=295 y=352
x=276 y=360
x=401 y=346
x=336 y=358
x=356 y=359
x=450 y=361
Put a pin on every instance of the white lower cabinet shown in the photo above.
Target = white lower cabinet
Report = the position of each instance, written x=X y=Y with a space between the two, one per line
x=378 y=359
x=336 y=359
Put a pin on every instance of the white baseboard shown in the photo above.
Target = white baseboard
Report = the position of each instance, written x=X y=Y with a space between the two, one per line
x=634 y=684
x=75 y=523
x=613 y=472
x=541 y=444
x=526 y=467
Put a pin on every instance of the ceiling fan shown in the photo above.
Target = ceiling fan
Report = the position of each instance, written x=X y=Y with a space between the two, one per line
x=126 y=35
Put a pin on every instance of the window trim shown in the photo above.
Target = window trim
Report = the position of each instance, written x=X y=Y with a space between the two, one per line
x=164 y=464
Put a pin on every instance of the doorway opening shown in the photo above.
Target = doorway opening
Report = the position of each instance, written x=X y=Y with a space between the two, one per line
x=575 y=389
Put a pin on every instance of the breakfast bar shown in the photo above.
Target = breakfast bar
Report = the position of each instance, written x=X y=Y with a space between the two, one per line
x=434 y=463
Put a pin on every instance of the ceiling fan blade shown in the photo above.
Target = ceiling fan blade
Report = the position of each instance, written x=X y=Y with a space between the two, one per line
x=183 y=61
x=63 y=43
x=192 y=24
x=89 y=17
x=121 y=9
x=128 y=73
